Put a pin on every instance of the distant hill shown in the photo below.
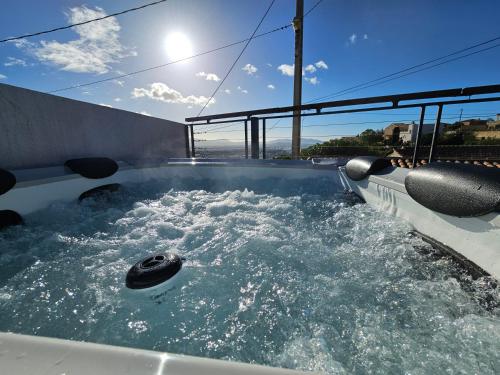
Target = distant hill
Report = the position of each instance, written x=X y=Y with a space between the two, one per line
x=284 y=144
x=287 y=143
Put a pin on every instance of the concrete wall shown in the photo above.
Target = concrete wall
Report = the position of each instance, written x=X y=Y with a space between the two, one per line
x=38 y=129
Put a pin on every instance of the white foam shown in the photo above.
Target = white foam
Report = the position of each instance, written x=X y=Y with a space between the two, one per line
x=307 y=281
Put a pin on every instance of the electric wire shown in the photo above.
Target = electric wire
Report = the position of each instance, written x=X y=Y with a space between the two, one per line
x=237 y=59
x=387 y=78
x=417 y=71
x=167 y=64
x=81 y=23
x=414 y=67
x=303 y=17
x=312 y=8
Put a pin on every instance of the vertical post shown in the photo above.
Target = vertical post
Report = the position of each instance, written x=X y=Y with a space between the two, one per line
x=254 y=137
x=193 y=153
x=246 y=139
x=419 y=134
x=435 y=134
x=186 y=137
x=263 y=138
x=298 y=25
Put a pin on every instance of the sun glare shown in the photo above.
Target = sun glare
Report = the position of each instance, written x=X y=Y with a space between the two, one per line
x=178 y=46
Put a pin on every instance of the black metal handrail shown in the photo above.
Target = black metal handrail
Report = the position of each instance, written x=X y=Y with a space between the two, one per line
x=420 y=100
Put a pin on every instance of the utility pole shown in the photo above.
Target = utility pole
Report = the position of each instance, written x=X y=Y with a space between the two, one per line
x=461 y=111
x=298 y=25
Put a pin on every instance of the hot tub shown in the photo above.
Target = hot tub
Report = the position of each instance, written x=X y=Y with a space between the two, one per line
x=284 y=268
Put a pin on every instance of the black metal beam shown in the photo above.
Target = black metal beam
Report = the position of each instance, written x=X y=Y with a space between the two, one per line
x=254 y=137
x=193 y=152
x=246 y=139
x=419 y=135
x=435 y=134
x=263 y=138
x=394 y=99
x=186 y=137
x=374 y=109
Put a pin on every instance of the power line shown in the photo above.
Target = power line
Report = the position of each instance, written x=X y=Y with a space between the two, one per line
x=410 y=71
x=305 y=15
x=82 y=23
x=382 y=80
x=312 y=8
x=420 y=70
x=360 y=86
x=167 y=64
x=237 y=59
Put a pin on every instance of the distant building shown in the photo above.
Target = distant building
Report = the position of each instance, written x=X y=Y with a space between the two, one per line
x=486 y=134
x=392 y=132
x=495 y=124
x=406 y=133
x=473 y=124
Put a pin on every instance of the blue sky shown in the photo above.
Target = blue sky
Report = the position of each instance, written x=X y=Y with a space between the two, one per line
x=356 y=40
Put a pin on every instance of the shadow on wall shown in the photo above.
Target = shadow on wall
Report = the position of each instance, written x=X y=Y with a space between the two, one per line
x=40 y=130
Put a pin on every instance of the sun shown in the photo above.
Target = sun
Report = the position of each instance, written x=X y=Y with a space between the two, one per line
x=178 y=46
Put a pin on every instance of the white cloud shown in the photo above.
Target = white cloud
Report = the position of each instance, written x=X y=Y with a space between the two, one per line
x=321 y=65
x=242 y=90
x=250 y=69
x=312 y=80
x=289 y=70
x=271 y=87
x=97 y=46
x=160 y=91
x=286 y=69
x=365 y=36
x=106 y=105
x=208 y=76
x=269 y=65
x=118 y=82
x=310 y=68
x=117 y=99
x=12 y=61
x=353 y=38
x=22 y=43
x=227 y=91
x=2 y=76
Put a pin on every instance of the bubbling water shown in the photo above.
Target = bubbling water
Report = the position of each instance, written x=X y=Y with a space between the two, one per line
x=303 y=277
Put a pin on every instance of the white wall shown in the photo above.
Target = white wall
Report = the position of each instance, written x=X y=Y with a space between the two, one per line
x=39 y=130
x=411 y=134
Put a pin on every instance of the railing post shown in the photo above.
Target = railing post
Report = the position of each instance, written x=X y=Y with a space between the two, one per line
x=435 y=134
x=246 y=139
x=419 y=134
x=193 y=153
x=263 y=138
x=254 y=136
x=186 y=136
